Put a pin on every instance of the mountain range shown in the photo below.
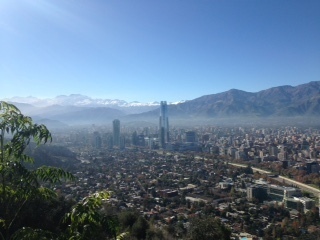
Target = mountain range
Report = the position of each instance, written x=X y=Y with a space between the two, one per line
x=302 y=100
x=82 y=101
x=283 y=101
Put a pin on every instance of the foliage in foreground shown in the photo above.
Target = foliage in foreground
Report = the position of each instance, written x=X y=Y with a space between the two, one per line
x=18 y=185
x=23 y=189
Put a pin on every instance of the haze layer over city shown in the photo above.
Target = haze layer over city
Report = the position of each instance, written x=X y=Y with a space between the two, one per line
x=160 y=120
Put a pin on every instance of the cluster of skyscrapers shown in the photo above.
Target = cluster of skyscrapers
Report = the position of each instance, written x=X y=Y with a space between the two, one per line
x=115 y=140
x=163 y=128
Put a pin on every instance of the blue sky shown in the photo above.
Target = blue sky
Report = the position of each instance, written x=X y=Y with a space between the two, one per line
x=146 y=50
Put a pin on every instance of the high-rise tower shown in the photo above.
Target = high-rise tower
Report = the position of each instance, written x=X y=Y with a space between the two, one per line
x=163 y=124
x=116 y=132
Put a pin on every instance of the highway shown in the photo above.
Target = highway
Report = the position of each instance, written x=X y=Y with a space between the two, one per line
x=305 y=187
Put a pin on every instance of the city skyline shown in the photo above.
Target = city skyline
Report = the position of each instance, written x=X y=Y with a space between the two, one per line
x=123 y=49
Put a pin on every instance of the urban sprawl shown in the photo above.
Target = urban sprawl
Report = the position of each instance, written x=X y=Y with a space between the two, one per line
x=259 y=181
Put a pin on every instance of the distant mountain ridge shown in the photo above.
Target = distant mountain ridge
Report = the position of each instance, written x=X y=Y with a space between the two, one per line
x=79 y=100
x=302 y=100
x=283 y=101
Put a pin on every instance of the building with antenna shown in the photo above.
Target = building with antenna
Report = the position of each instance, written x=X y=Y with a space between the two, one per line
x=163 y=125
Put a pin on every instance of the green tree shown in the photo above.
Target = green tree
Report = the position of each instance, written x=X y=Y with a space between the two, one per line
x=19 y=185
x=21 y=188
x=248 y=170
x=127 y=219
x=208 y=228
x=86 y=221
x=139 y=228
x=154 y=234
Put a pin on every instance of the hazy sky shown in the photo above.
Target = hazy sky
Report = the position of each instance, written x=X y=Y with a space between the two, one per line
x=152 y=50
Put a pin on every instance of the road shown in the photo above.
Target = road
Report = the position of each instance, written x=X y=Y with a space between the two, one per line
x=305 y=187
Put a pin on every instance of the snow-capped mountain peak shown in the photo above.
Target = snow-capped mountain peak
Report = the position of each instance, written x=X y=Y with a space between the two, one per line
x=81 y=101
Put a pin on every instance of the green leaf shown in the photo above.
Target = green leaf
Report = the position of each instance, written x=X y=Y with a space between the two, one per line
x=32 y=234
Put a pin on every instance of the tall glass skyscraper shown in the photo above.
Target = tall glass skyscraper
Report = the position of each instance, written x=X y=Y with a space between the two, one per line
x=116 y=132
x=163 y=124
